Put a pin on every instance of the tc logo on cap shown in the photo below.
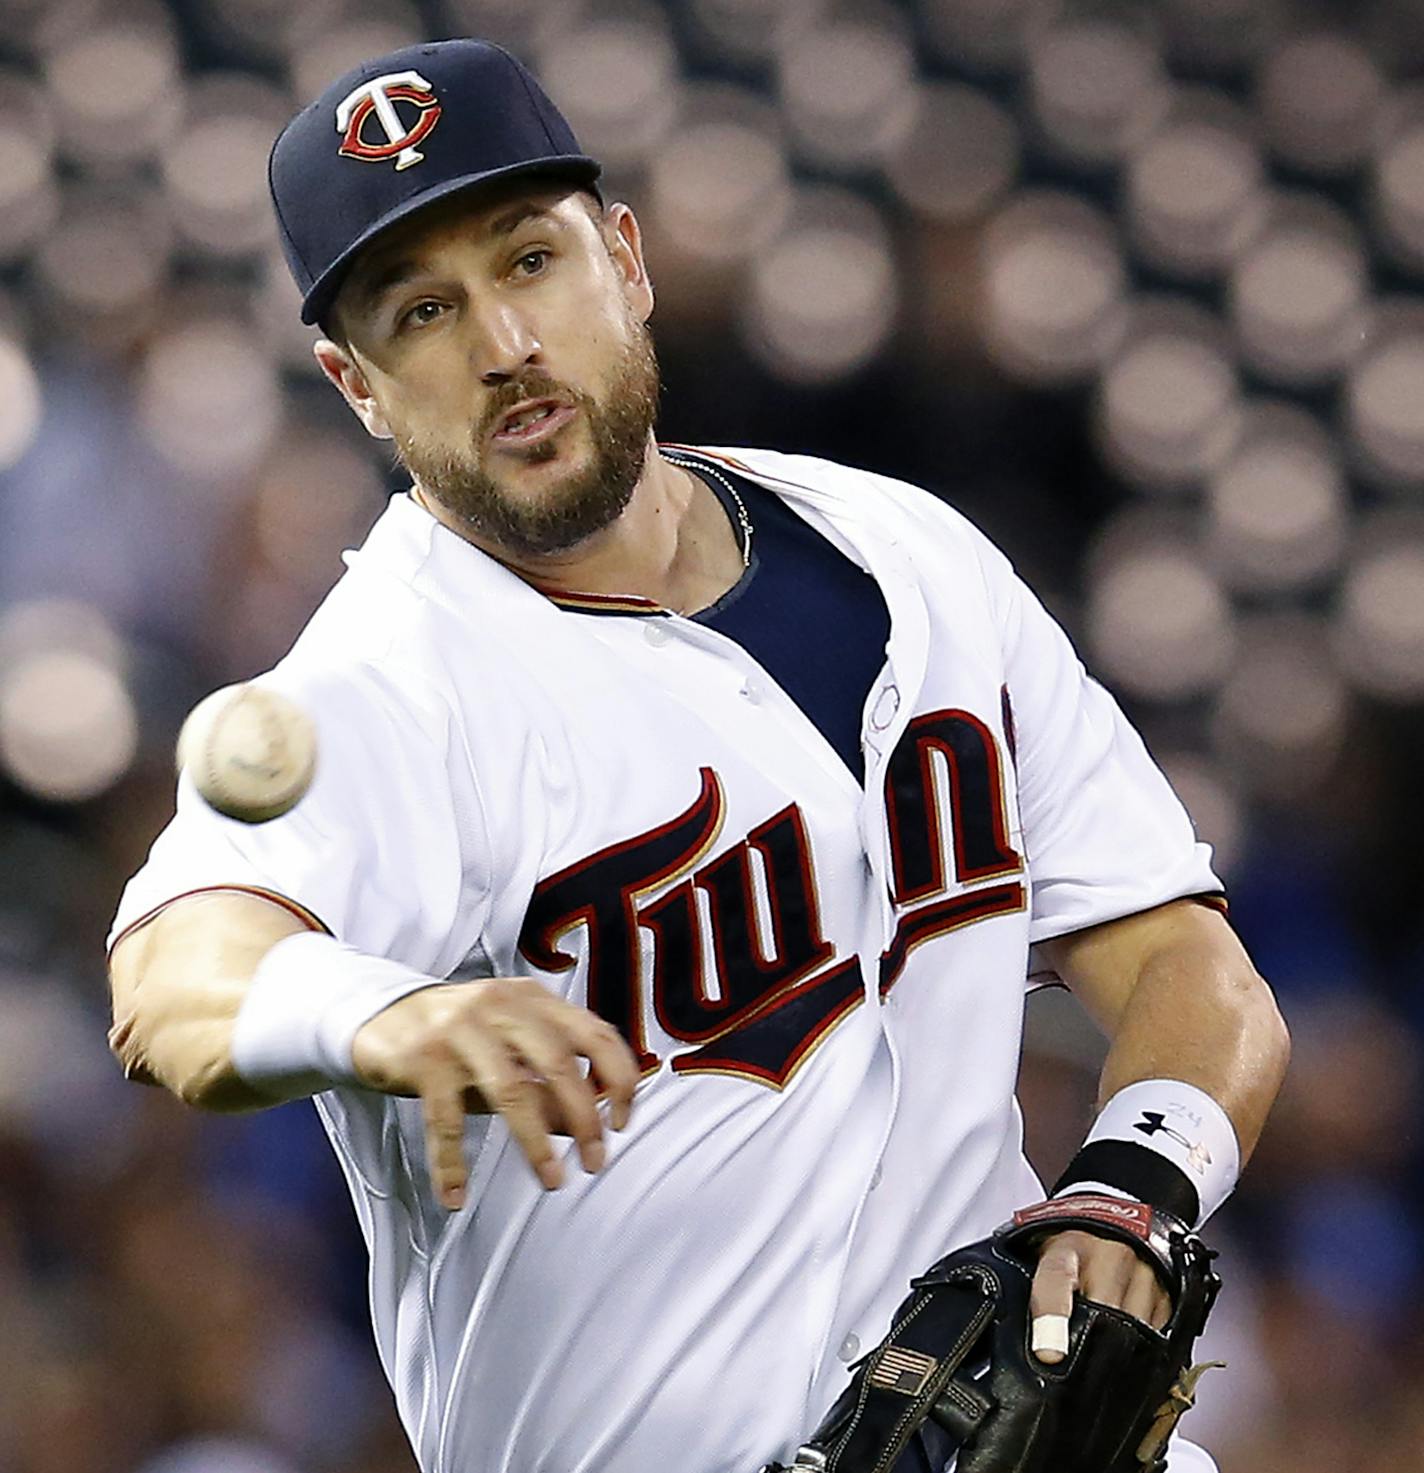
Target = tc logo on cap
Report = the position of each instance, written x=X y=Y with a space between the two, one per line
x=379 y=97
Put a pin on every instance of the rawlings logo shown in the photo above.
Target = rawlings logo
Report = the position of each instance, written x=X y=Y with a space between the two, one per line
x=1136 y=1217
x=378 y=98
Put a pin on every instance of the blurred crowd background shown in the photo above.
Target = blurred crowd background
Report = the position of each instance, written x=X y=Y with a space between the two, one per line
x=1138 y=286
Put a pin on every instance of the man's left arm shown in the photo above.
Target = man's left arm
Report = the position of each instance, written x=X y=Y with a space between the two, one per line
x=1176 y=994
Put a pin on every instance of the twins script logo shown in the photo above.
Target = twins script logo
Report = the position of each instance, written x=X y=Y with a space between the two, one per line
x=727 y=955
x=379 y=97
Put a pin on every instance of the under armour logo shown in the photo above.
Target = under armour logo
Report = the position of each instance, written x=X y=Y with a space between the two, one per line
x=378 y=97
x=1154 y=1122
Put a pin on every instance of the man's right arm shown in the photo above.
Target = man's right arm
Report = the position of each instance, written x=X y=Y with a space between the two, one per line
x=178 y=982
x=507 y=1045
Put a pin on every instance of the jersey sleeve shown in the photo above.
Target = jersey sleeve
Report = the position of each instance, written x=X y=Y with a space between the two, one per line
x=1104 y=834
x=384 y=851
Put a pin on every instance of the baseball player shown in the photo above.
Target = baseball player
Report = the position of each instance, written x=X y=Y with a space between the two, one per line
x=688 y=828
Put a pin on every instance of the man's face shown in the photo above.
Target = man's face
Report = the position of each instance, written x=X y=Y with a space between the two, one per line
x=504 y=348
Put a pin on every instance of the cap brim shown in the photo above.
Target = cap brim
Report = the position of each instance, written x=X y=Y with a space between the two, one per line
x=578 y=169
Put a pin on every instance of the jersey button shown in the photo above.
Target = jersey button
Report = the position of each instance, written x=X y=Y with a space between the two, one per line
x=751 y=693
x=656 y=635
x=875 y=1177
x=850 y=1348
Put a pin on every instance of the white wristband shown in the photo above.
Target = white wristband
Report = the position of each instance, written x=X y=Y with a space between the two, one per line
x=1178 y=1122
x=308 y=999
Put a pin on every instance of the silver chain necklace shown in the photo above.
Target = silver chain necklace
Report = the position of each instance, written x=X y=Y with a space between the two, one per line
x=743 y=519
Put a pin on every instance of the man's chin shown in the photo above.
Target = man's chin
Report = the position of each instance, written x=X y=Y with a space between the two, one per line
x=544 y=481
x=543 y=511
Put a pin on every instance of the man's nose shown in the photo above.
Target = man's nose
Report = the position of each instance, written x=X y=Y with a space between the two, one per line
x=507 y=343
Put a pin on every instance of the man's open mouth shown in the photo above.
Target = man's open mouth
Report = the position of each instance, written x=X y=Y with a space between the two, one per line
x=533 y=420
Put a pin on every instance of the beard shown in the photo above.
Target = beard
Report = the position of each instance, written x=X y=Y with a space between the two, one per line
x=587 y=500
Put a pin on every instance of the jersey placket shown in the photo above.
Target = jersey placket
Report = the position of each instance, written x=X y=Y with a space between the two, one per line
x=898 y=686
x=899 y=683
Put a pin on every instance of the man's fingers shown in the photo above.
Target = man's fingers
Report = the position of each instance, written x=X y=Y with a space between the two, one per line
x=510 y=1091
x=611 y=1063
x=547 y=1050
x=442 y=1102
x=1099 y=1269
x=1108 y=1272
x=549 y=1107
x=1146 y=1298
x=616 y=1075
x=553 y=1042
x=507 y=1046
x=1113 y=1274
x=569 y=1095
x=1051 y=1300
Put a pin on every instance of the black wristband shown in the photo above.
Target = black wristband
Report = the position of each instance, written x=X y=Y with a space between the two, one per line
x=1137 y=1170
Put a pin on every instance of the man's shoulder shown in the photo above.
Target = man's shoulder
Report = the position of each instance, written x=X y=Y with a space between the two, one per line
x=793 y=471
x=361 y=638
x=387 y=624
x=856 y=491
x=366 y=650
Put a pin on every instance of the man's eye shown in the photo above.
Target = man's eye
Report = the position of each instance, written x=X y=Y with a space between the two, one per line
x=532 y=262
x=422 y=313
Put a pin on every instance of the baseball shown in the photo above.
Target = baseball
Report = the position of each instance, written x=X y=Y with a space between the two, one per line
x=250 y=751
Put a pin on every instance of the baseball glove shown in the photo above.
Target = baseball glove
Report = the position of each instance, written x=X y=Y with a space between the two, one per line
x=958 y=1356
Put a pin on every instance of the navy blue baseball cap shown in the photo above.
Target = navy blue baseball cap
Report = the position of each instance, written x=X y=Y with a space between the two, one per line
x=398 y=133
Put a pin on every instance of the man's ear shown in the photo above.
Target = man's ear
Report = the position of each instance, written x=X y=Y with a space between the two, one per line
x=625 y=245
x=342 y=369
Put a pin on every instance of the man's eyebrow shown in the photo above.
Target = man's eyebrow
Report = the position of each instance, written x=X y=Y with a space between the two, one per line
x=370 y=291
x=511 y=219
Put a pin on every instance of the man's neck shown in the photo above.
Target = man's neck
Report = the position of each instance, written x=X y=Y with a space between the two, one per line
x=673 y=544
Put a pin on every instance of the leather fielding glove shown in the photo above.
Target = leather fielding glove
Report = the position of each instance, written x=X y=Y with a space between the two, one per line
x=958 y=1355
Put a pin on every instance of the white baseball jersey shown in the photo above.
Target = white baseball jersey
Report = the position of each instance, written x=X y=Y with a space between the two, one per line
x=824 y=984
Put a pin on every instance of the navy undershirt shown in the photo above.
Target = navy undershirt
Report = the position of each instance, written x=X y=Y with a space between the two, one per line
x=809 y=616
